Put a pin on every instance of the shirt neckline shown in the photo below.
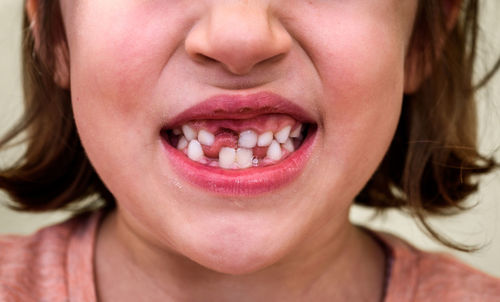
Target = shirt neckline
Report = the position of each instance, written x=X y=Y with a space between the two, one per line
x=80 y=258
x=400 y=262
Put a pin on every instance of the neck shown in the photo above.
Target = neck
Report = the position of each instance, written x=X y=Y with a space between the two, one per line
x=327 y=268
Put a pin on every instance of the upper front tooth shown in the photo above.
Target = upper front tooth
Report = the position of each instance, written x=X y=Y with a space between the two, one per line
x=195 y=152
x=274 y=151
x=265 y=139
x=244 y=157
x=226 y=157
x=248 y=139
x=282 y=135
x=189 y=132
x=296 y=132
x=182 y=143
x=206 y=138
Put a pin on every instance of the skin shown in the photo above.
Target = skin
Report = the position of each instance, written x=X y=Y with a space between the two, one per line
x=135 y=64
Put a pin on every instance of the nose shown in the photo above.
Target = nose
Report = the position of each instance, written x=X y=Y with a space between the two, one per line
x=239 y=35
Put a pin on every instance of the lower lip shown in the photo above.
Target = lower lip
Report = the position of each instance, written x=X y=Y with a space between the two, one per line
x=243 y=182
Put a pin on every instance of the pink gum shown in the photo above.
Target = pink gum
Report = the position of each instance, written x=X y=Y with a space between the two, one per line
x=224 y=139
x=259 y=124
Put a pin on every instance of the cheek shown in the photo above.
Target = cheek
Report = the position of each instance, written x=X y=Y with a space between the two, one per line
x=116 y=60
x=363 y=64
x=362 y=69
x=118 y=53
x=364 y=73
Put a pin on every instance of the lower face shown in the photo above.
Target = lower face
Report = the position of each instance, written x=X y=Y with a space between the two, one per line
x=236 y=170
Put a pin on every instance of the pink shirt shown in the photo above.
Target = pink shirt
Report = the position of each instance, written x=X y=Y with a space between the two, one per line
x=56 y=264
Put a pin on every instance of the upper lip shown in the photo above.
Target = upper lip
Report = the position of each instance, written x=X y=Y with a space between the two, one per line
x=241 y=107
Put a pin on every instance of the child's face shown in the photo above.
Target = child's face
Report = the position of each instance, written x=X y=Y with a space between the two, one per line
x=137 y=65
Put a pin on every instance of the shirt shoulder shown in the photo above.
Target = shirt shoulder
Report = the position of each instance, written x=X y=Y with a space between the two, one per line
x=425 y=276
x=35 y=267
x=443 y=276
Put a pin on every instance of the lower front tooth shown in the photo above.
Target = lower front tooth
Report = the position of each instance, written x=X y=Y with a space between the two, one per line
x=274 y=151
x=195 y=152
x=244 y=157
x=227 y=157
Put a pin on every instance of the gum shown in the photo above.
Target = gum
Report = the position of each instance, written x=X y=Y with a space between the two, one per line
x=259 y=124
x=222 y=139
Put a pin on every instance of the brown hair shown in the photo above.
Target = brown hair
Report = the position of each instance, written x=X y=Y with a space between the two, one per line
x=54 y=170
x=431 y=165
x=428 y=169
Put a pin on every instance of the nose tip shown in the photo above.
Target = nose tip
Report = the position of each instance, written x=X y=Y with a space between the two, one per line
x=239 y=37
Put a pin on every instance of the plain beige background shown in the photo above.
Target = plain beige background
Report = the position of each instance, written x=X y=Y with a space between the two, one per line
x=479 y=226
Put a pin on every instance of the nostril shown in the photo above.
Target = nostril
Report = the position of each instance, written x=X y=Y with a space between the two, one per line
x=201 y=58
x=273 y=59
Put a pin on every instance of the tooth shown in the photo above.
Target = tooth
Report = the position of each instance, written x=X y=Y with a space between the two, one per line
x=288 y=145
x=195 y=152
x=177 y=131
x=206 y=138
x=182 y=143
x=189 y=132
x=255 y=161
x=274 y=151
x=226 y=157
x=248 y=139
x=265 y=139
x=244 y=157
x=296 y=132
x=282 y=135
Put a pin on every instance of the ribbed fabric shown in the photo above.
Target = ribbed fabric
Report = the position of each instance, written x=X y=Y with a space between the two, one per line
x=434 y=277
x=56 y=264
x=53 y=265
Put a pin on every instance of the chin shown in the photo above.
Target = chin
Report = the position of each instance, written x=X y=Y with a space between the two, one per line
x=236 y=258
x=236 y=247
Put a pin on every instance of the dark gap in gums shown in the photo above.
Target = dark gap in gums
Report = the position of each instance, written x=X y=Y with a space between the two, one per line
x=226 y=131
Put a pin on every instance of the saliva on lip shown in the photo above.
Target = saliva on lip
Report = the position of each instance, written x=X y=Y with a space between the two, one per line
x=228 y=149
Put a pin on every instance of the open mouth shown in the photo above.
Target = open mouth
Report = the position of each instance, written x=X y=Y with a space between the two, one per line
x=233 y=144
x=240 y=144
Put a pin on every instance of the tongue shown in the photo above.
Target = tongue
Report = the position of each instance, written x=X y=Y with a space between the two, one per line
x=229 y=139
